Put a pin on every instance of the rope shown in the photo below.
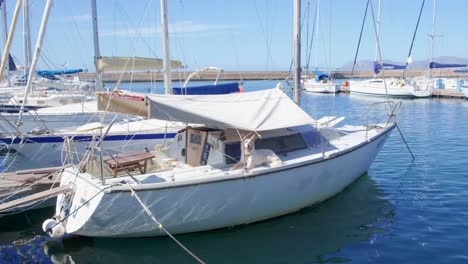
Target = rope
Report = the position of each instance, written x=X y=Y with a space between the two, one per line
x=79 y=207
x=161 y=226
x=404 y=140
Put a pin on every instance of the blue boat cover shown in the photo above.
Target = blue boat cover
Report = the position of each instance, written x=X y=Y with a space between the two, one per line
x=387 y=66
x=47 y=73
x=224 y=88
x=434 y=65
x=11 y=63
x=319 y=76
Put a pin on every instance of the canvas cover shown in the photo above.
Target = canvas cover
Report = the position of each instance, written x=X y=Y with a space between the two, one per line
x=106 y=64
x=251 y=111
x=121 y=102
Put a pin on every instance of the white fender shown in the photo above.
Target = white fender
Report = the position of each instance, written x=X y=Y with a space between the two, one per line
x=53 y=228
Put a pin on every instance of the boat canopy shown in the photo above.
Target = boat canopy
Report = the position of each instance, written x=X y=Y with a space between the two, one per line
x=319 y=76
x=133 y=63
x=387 y=66
x=435 y=65
x=253 y=111
x=48 y=73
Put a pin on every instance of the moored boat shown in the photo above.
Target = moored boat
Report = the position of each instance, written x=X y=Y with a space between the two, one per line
x=188 y=184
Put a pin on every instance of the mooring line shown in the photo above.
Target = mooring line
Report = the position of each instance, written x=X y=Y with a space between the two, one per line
x=404 y=140
x=161 y=226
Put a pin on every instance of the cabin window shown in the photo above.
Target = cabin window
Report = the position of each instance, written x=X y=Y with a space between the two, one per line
x=279 y=145
x=195 y=139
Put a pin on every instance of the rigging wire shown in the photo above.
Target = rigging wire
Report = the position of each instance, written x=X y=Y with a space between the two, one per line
x=412 y=41
x=309 y=48
x=379 y=53
x=360 y=37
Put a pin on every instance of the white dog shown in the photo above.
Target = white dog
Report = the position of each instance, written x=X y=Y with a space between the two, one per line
x=253 y=157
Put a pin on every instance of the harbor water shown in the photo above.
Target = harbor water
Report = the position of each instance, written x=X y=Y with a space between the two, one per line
x=401 y=211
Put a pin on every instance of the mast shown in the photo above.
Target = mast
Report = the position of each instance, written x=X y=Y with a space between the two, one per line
x=307 y=38
x=11 y=34
x=26 y=38
x=297 y=50
x=97 y=53
x=165 y=45
x=432 y=36
x=317 y=33
x=37 y=51
x=378 y=31
x=5 y=37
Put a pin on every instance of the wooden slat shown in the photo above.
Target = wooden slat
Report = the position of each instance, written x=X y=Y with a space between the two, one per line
x=35 y=197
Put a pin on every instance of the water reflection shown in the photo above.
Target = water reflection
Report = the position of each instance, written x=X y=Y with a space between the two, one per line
x=308 y=236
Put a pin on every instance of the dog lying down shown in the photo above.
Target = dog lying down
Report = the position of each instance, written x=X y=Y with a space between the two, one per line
x=255 y=157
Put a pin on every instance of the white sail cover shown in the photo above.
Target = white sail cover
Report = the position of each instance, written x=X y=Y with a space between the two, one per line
x=252 y=111
x=133 y=63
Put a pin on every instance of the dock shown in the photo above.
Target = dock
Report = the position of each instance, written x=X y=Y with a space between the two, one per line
x=27 y=183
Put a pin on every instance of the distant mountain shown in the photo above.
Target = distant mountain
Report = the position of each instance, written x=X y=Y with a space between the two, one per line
x=368 y=65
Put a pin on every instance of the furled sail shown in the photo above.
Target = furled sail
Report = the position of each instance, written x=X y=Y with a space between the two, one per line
x=435 y=65
x=386 y=66
x=47 y=73
x=133 y=64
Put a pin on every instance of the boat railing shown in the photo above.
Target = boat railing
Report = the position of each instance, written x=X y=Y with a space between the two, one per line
x=31 y=112
x=391 y=109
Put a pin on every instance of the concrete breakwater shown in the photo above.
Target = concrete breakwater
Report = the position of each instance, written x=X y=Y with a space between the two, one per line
x=254 y=75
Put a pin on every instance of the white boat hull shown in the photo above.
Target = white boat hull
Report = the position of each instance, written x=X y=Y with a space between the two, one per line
x=51 y=122
x=465 y=91
x=48 y=150
x=43 y=152
x=392 y=88
x=228 y=200
x=320 y=87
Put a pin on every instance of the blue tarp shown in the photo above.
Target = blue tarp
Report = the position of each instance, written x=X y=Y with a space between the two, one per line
x=387 y=66
x=319 y=76
x=47 y=73
x=224 y=88
x=434 y=65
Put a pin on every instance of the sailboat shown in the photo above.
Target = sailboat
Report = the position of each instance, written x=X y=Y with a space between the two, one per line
x=189 y=184
x=38 y=92
x=430 y=81
x=323 y=82
x=396 y=87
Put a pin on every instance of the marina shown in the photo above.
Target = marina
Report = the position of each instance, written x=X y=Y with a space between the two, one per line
x=138 y=149
x=398 y=209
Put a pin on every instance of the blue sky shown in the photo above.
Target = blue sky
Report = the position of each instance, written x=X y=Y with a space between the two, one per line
x=243 y=34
